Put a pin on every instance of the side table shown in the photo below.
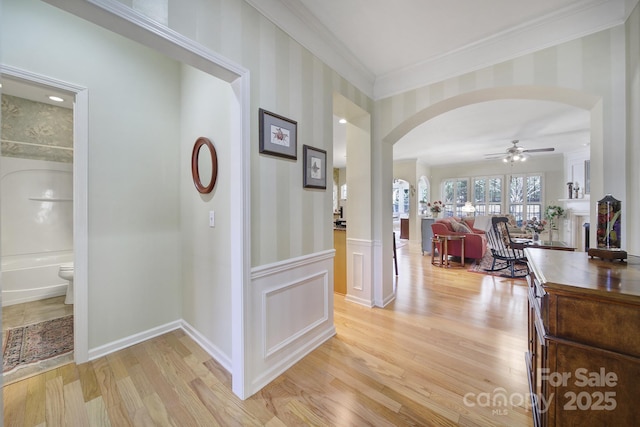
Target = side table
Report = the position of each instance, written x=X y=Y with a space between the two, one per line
x=445 y=252
x=438 y=241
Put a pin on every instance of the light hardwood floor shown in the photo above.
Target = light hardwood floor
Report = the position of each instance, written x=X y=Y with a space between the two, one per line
x=449 y=334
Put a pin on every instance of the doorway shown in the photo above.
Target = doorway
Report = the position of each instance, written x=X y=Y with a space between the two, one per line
x=39 y=234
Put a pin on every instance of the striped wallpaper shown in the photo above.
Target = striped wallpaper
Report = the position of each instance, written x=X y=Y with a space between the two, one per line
x=288 y=221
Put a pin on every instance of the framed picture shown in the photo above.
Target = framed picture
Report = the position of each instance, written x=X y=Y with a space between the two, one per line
x=314 y=167
x=278 y=135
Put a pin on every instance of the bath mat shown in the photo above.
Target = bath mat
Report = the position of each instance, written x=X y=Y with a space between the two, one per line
x=32 y=344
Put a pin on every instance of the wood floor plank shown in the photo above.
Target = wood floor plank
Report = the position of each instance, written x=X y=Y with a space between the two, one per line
x=88 y=381
x=54 y=405
x=130 y=397
x=97 y=413
x=15 y=396
x=35 y=412
x=75 y=410
x=157 y=410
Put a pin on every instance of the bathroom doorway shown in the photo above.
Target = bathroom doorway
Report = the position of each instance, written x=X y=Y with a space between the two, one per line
x=37 y=221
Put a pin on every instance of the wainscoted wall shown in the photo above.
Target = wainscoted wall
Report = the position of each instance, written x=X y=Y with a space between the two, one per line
x=35 y=130
x=292 y=309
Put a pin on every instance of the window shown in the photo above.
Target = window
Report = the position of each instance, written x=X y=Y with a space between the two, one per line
x=487 y=195
x=423 y=195
x=525 y=197
x=400 y=197
x=455 y=194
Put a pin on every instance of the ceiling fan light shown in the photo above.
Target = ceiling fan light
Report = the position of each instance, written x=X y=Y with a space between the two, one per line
x=506 y=160
x=516 y=157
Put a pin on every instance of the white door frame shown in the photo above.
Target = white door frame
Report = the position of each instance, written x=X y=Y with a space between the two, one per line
x=80 y=215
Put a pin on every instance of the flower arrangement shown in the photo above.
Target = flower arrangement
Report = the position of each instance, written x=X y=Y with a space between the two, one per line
x=552 y=212
x=535 y=225
x=436 y=207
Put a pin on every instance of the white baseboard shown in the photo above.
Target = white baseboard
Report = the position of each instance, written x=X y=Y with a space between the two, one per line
x=213 y=350
x=291 y=359
x=361 y=301
x=123 y=343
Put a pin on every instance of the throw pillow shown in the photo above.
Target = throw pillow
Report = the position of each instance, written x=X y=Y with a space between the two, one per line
x=460 y=227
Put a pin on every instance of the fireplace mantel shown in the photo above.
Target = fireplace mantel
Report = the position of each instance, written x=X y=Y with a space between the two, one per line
x=577 y=215
x=577 y=206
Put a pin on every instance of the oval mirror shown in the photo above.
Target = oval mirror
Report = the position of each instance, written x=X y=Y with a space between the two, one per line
x=204 y=165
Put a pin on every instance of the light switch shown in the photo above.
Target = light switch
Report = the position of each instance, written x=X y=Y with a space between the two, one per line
x=212 y=219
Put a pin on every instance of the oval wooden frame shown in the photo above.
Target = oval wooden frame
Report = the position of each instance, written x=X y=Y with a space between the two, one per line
x=195 y=172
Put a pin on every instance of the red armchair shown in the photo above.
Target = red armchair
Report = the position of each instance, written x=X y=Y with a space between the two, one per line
x=475 y=242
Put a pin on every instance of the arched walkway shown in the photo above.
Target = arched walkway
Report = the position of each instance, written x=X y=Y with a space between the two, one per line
x=571 y=97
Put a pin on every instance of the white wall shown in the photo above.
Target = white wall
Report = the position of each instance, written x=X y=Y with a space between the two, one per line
x=633 y=130
x=206 y=260
x=134 y=111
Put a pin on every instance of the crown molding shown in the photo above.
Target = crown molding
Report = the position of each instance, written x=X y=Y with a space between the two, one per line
x=565 y=24
x=561 y=26
x=295 y=19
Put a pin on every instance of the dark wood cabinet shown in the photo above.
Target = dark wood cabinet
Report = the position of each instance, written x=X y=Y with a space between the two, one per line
x=404 y=228
x=583 y=359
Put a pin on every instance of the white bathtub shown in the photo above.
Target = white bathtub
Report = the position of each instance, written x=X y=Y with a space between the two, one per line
x=36 y=228
x=32 y=278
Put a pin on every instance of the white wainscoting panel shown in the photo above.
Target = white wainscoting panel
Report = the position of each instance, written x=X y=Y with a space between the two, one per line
x=292 y=313
x=359 y=272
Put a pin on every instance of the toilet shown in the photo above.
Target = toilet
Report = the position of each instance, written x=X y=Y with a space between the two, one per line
x=66 y=272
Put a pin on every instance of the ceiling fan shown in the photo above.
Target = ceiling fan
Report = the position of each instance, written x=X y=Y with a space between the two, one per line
x=516 y=153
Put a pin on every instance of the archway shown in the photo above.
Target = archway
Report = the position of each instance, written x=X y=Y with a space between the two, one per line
x=570 y=97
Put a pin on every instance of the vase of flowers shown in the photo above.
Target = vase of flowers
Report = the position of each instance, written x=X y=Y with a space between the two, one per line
x=435 y=208
x=552 y=213
x=535 y=227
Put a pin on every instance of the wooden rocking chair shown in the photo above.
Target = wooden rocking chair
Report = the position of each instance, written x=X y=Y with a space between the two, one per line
x=501 y=246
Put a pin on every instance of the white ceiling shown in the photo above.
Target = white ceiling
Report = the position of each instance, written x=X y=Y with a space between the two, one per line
x=34 y=92
x=386 y=47
x=387 y=36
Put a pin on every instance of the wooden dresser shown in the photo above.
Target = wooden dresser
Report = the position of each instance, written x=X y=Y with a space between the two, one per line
x=583 y=359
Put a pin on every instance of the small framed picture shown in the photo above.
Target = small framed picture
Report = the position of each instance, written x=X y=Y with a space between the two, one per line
x=278 y=135
x=314 y=167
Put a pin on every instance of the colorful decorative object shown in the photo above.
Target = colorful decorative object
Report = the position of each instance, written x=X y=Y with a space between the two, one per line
x=435 y=208
x=535 y=225
x=609 y=221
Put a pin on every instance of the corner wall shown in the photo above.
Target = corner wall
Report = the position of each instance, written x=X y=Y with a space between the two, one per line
x=206 y=255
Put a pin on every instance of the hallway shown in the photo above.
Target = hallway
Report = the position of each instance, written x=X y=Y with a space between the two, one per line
x=450 y=338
